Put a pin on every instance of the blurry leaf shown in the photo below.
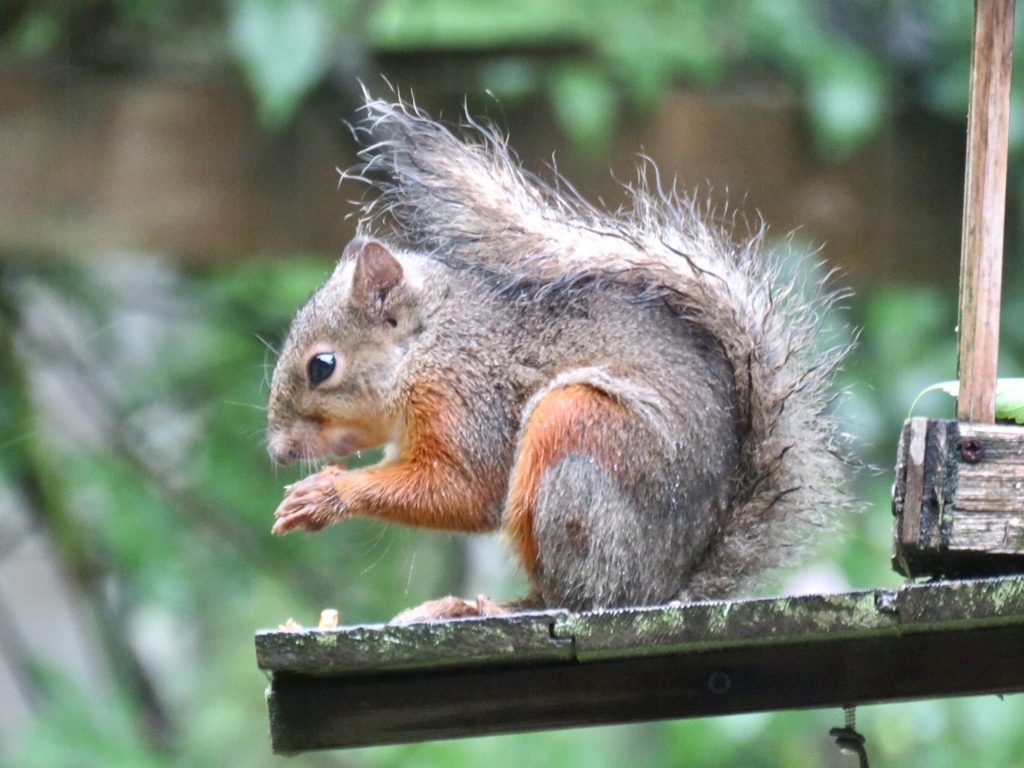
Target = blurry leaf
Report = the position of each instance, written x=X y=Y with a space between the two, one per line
x=904 y=322
x=510 y=78
x=270 y=290
x=946 y=88
x=1015 y=139
x=38 y=33
x=651 y=43
x=584 y=101
x=132 y=525
x=283 y=46
x=951 y=388
x=847 y=95
x=1010 y=401
x=73 y=731
x=787 y=27
x=1009 y=397
x=448 y=24
x=603 y=747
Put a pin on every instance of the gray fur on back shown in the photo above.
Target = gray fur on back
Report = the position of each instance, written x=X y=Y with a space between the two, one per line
x=468 y=204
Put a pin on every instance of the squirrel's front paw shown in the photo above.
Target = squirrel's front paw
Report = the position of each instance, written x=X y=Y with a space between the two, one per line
x=311 y=503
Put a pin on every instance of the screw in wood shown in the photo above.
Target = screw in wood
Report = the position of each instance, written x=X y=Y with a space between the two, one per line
x=972 y=450
x=719 y=682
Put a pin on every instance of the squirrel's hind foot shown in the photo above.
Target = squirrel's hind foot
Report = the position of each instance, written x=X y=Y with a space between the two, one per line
x=449 y=607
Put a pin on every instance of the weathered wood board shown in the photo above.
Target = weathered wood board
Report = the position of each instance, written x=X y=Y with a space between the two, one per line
x=958 y=499
x=361 y=649
x=358 y=686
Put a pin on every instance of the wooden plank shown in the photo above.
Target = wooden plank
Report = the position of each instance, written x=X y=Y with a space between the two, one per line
x=328 y=713
x=718 y=624
x=959 y=506
x=526 y=637
x=987 y=512
x=920 y=492
x=942 y=463
x=984 y=209
x=808 y=618
x=677 y=661
x=914 y=436
x=987 y=532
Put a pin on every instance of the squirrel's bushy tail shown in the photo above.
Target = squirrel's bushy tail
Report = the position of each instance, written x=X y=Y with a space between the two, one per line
x=470 y=205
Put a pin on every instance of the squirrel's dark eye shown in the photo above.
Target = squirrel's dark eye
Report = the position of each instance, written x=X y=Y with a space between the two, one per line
x=320 y=368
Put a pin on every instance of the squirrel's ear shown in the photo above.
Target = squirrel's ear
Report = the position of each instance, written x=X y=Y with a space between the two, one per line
x=377 y=272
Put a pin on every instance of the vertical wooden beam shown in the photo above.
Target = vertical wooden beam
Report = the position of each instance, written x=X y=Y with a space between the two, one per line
x=984 y=209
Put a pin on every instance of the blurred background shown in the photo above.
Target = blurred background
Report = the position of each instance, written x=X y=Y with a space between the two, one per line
x=169 y=196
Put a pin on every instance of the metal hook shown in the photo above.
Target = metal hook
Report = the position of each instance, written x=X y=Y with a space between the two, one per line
x=847 y=738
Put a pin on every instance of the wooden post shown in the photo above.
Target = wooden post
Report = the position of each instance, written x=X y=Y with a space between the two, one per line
x=984 y=209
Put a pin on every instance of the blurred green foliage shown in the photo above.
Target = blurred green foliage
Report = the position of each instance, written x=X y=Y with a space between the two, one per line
x=159 y=502
x=591 y=58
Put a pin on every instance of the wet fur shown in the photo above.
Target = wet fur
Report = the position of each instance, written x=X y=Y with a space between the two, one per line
x=468 y=204
x=638 y=400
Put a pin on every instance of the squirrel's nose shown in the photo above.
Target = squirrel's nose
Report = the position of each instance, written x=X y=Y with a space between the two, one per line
x=282 y=450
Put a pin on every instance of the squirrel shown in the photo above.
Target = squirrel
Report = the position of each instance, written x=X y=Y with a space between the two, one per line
x=636 y=400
